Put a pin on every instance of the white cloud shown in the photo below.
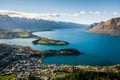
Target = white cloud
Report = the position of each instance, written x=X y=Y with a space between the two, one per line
x=75 y=14
x=47 y=16
x=74 y=17
x=69 y=15
x=95 y=13
x=28 y=15
x=98 y=13
x=115 y=13
x=83 y=12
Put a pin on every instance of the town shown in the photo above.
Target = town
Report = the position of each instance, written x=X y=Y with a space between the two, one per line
x=26 y=64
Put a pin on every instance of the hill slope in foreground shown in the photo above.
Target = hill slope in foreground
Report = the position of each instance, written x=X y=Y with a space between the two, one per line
x=111 y=27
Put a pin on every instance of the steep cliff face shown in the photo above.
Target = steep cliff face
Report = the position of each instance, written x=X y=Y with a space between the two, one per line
x=111 y=27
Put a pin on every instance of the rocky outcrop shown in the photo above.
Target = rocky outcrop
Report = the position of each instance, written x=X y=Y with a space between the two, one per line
x=111 y=27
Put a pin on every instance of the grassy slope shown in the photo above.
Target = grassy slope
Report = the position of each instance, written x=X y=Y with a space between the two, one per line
x=7 y=77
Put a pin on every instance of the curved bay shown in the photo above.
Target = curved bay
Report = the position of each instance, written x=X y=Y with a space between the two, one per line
x=97 y=49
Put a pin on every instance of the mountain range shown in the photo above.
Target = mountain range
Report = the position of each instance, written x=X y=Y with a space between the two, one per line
x=10 y=23
x=111 y=27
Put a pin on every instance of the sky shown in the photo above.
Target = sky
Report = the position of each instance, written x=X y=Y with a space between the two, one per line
x=77 y=11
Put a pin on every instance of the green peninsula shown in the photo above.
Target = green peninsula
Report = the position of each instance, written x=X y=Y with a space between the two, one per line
x=16 y=33
x=46 y=41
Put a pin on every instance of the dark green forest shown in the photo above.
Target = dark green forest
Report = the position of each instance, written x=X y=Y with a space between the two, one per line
x=91 y=75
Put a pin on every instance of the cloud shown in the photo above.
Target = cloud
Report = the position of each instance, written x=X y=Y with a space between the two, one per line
x=28 y=15
x=48 y=16
x=98 y=13
x=70 y=15
x=83 y=12
x=115 y=13
x=75 y=14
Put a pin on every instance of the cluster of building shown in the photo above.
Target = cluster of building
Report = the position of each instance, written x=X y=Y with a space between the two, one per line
x=33 y=66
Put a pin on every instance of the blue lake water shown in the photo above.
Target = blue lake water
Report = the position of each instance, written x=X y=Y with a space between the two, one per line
x=96 y=49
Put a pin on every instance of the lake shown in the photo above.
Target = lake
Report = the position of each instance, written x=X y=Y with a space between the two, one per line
x=96 y=49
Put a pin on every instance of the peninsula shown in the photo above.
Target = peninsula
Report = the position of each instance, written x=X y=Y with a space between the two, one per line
x=16 y=33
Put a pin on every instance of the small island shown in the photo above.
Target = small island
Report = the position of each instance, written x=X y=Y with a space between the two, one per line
x=60 y=52
x=46 y=41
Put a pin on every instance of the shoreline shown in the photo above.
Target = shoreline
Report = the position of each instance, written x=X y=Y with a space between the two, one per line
x=60 y=63
x=45 y=56
x=29 y=61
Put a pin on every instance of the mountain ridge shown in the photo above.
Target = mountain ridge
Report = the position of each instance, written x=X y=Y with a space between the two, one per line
x=8 y=22
x=110 y=27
